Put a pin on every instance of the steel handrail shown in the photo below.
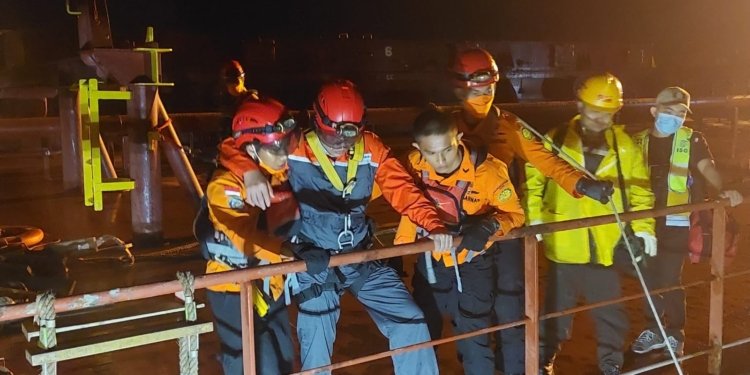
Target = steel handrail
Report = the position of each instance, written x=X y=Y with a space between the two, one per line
x=112 y=296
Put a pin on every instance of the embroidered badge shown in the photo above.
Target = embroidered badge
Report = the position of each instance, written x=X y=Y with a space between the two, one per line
x=234 y=199
x=504 y=195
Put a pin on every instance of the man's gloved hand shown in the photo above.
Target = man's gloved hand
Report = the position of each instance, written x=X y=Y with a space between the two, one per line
x=734 y=196
x=596 y=190
x=478 y=233
x=649 y=243
x=316 y=259
x=258 y=189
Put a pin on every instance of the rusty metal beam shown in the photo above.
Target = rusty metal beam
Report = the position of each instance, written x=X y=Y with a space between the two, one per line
x=248 y=335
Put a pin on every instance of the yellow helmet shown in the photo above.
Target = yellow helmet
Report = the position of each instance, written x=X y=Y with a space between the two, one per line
x=601 y=92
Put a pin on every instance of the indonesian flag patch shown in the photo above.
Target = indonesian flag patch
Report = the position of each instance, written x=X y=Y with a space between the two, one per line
x=234 y=198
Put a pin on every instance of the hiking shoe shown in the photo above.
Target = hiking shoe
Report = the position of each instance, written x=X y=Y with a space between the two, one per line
x=608 y=369
x=677 y=346
x=647 y=341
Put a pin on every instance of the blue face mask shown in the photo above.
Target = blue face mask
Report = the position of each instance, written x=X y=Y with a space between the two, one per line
x=668 y=124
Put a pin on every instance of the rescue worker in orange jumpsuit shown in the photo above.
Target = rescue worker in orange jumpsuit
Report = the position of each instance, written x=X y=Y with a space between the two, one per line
x=506 y=137
x=232 y=94
x=474 y=195
x=234 y=235
x=332 y=174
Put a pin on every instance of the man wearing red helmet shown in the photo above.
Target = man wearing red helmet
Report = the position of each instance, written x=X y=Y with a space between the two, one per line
x=234 y=235
x=333 y=173
x=475 y=75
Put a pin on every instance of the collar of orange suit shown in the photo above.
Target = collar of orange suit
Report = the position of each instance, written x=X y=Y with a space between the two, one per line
x=465 y=171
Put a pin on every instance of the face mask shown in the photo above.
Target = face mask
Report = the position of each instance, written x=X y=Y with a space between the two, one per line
x=478 y=106
x=668 y=124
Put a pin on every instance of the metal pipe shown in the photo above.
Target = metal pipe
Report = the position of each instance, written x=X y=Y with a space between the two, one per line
x=70 y=138
x=145 y=169
x=248 y=334
x=176 y=156
x=107 y=166
x=716 y=296
x=168 y=287
x=531 y=293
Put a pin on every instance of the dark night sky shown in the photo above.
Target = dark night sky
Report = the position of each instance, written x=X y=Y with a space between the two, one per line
x=692 y=22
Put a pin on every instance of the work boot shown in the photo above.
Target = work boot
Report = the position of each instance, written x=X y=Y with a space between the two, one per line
x=647 y=341
x=677 y=346
x=610 y=369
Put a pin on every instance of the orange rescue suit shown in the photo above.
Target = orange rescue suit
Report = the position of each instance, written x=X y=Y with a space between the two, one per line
x=489 y=190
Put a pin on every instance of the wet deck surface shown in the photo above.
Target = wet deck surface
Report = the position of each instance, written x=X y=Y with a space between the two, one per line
x=27 y=198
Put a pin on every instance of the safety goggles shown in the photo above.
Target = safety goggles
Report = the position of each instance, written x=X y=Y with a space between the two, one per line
x=283 y=134
x=283 y=146
x=478 y=78
x=341 y=130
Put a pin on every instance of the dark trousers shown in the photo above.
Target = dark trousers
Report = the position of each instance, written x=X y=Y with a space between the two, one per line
x=596 y=283
x=274 y=353
x=510 y=353
x=663 y=271
x=469 y=310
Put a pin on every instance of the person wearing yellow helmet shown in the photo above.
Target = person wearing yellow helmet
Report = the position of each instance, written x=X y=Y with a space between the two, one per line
x=581 y=260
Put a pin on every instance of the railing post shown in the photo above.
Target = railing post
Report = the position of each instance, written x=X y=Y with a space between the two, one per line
x=248 y=334
x=716 y=309
x=532 y=304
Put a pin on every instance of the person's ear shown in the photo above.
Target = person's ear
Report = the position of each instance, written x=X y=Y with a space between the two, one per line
x=416 y=145
x=580 y=106
x=459 y=137
x=653 y=111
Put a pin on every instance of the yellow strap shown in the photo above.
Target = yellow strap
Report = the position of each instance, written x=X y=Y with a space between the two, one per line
x=325 y=162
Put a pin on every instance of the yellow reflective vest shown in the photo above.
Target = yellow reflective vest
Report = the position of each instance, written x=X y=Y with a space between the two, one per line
x=679 y=170
x=547 y=202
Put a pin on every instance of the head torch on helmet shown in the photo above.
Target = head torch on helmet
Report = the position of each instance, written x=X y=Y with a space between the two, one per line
x=337 y=131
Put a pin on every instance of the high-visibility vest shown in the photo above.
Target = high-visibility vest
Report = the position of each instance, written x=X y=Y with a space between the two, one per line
x=678 y=186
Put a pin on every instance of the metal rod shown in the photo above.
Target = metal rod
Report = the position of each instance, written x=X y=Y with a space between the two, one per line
x=716 y=296
x=103 y=298
x=248 y=330
x=531 y=285
x=107 y=166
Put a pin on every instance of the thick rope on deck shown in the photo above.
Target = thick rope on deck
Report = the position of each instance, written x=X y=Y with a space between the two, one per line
x=188 y=287
x=45 y=319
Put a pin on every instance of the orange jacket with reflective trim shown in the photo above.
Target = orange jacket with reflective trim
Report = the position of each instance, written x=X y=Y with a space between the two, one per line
x=505 y=137
x=489 y=190
x=392 y=181
x=240 y=226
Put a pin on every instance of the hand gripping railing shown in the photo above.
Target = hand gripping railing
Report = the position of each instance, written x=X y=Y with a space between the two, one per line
x=72 y=303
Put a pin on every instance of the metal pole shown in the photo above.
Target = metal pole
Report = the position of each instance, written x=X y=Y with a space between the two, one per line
x=735 y=130
x=176 y=156
x=145 y=169
x=716 y=304
x=531 y=282
x=70 y=138
x=107 y=166
x=248 y=332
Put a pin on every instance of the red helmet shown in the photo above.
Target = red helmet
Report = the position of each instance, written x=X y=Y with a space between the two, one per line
x=475 y=68
x=265 y=123
x=339 y=113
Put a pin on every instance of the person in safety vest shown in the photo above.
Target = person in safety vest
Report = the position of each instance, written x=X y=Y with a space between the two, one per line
x=234 y=235
x=475 y=76
x=332 y=174
x=475 y=198
x=233 y=93
x=581 y=259
x=676 y=156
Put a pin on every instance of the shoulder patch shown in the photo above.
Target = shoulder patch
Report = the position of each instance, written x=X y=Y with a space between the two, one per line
x=504 y=195
x=234 y=199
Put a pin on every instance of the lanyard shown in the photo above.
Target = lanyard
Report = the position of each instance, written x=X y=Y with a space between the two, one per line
x=327 y=165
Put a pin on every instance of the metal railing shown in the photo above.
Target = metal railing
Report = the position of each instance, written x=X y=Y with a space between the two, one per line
x=531 y=321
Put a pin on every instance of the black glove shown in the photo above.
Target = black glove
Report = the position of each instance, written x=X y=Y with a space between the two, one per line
x=596 y=190
x=316 y=259
x=477 y=234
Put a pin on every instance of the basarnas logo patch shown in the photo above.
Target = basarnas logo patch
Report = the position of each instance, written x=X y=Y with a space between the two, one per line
x=504 y=195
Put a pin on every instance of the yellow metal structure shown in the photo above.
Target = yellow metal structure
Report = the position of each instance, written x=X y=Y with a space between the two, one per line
x=155 y=59
x=94 y=185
